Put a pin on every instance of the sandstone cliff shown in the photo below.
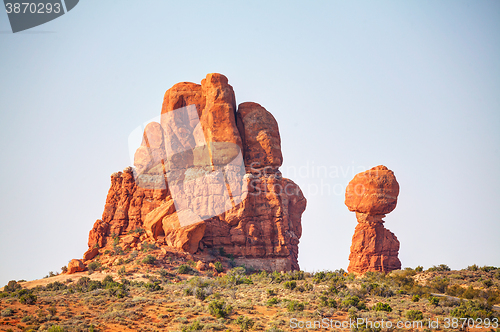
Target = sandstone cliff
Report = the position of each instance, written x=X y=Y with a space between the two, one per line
x=206 y=179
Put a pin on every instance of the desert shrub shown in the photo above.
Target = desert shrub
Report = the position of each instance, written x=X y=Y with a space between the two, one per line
x=327 y=302
x=148 y=246
x=184 y=269
x=473 y=309
x=470 y=293
x=244 y=323
x=472 y=267
x=200 y=294
x=52 y=310
x=56 y=285
x=353 y=301
x=487 y=268
x=294 y=275
x=55 y=328
x=195 y=326
x=236 y=276
x=414 y=315
x=164 y=273
x=12 y=286
x=154 y=286
x=218 y=267
x=322 y=276
x=219 y=309
x=64 y=269
x=455 y=290
x=272 y=301
x=122 y=271
x=419 y=269
x=26 y=319
x=433 y=300
x=93 y=266
x=382 y=307
x=439 y=268
x=415 y=298
x=7 y=312
x=295 y=306
x=377 y=290
x=149 y=259
x=290 y=285
x=487 y=283
x=439 y=284
x=28 y=298
x=271 y=292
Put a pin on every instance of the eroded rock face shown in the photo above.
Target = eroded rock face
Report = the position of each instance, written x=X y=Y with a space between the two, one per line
x=207 y=179
x=372 y=194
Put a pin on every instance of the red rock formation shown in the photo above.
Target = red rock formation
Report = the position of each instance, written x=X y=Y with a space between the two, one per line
x=206 y=178
x=372 y=194
x=75 y=265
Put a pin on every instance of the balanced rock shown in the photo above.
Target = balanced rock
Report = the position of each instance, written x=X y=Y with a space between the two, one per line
x=207 y=179
x=372 y=194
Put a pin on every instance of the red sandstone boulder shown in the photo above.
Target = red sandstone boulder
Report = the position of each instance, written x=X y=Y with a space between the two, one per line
x=90 y=254
x=373 y=192
x=75 y=265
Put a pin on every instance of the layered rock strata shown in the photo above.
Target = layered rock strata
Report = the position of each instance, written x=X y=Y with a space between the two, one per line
x=207 y=179
x=372 y=194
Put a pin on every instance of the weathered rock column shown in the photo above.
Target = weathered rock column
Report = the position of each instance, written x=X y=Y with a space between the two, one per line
x=372 y=194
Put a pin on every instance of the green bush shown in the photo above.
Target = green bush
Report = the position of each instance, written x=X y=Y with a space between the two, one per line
x=244 y=323
x=200 y=293
x=195 y=326
x=28 y=298
x=219 y=309
x=55 y=328
x=272 y=301
x=472 y=267
x=271 y=292
x=290 y=285
x=414 y=315
x=184 y=269
x=295 y=306
x=473 y=309
x=382 y=307
x=93 y=266
x=218 y=267
x=7 y=312
x=439 y=268
x=440 y=284
x=12 y=286
x=353 y=301
x=149 y=259
x=327 y=302
x=153 y=287
x=415 y=298
x=419 y=269
x=433 y=300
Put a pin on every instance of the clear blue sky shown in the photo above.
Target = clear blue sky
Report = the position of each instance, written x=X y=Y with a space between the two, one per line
x=413 y=85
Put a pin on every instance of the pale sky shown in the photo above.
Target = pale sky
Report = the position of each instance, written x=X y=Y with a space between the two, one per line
x=412 y=85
